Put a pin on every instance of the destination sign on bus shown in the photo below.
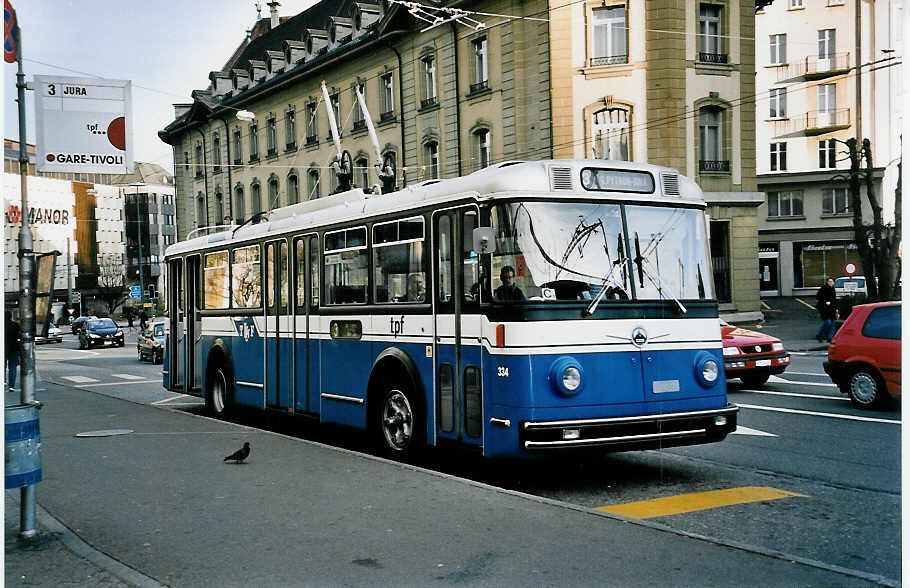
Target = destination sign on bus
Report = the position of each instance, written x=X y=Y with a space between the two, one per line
x=617 y=180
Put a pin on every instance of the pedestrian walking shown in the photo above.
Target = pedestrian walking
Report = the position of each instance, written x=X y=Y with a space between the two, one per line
x=143 y=318
x=12 y=334
x=826 y=303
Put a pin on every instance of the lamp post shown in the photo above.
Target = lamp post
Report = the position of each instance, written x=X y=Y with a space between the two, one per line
x=138 y=185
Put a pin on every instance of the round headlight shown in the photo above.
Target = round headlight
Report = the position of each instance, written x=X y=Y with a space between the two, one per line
x=709 y=370
x=571 y=378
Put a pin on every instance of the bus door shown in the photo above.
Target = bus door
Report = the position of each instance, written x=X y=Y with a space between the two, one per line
x=193 y=324
x=306 y=351
x=457 y=341
x=277 y=328
x=176 y=345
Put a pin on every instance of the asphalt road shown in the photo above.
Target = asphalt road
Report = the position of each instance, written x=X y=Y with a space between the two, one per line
x=834 y=470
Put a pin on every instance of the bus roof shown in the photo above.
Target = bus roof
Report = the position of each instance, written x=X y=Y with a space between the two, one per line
x=551 y=178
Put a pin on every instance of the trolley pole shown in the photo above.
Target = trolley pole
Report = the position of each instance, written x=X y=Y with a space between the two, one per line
x=27 y=526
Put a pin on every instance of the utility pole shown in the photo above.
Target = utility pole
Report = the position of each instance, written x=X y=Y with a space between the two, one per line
x=69 y=277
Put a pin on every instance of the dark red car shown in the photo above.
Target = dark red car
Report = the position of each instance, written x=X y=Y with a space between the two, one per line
x=864 y=359
x=752 y=356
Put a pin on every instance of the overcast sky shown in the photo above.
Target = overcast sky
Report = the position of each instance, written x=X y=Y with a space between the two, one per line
x=165 y=47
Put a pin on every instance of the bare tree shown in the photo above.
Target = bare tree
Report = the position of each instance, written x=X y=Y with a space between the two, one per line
x=112 y=288
x=877 y=243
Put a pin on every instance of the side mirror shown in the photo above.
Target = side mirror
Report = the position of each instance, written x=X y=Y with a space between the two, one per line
x=484 y=240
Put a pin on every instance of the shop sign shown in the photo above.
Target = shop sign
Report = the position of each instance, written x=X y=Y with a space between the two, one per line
x=55 y=216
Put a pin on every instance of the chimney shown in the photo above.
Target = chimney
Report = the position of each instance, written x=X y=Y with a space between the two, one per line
x=273 y=12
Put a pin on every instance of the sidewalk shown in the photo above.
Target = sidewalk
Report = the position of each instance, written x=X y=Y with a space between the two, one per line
x=793 y=320
x=159 y=505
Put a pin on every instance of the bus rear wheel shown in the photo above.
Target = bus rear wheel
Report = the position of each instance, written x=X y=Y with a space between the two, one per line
x=218 y=398
x=399 y=423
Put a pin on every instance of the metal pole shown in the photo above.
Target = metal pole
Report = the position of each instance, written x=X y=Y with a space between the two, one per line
x=27 y=526
x=139 y=235
x=69 y=278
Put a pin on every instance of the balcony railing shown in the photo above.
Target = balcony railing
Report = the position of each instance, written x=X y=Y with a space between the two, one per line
x=814 y=122
x=360 y=125
x=272 y=152
x=609 y=60
x=480 y=86
x=704 y=57
x=238 y=161
x=713 y=165
x=312 y=140
x=815 y=68
x=428 y=102
x=292 y=146
x=387 y=116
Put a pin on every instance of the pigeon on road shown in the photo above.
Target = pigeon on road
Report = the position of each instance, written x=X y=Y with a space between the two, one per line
x=239 y=455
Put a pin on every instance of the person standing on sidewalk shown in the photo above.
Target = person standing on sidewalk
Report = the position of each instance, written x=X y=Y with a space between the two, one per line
x=12 y=333
x=826 y=304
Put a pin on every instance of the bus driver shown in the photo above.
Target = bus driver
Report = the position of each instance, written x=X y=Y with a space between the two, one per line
x=508 y=291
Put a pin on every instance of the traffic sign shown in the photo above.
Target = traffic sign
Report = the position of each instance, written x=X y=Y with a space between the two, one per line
x=135 y=291
x=850 y=268
x=77 y=297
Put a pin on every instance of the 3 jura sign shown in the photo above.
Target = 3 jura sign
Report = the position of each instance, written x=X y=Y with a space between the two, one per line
x=83 y=125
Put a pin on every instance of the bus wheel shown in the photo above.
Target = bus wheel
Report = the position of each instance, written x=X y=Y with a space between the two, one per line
x=218 y=399
x=399 y=425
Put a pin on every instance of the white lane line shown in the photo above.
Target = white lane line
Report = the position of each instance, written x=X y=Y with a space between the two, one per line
x=845 y=417
x=795 y=394
x=805 y=374
x=162 y=401
x=158 y=381
x=741 y=430
x=777 y=380
x=128 y=377
x=79 y=379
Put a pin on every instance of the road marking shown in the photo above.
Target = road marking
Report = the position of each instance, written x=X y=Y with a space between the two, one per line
x=162 y=401
x=795 y=394
x=846 y=417
x=806 y=304
x=79 y=379
x=671 y=505
x=806 y=374
x=128 y=376
x=157 y=381
x=777 y=380
x=741 y=430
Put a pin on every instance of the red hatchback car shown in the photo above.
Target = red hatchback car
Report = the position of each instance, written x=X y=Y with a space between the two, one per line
x=864 y=359
x=752 y=356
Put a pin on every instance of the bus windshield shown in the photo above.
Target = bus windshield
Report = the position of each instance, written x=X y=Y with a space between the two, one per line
x=558 y=251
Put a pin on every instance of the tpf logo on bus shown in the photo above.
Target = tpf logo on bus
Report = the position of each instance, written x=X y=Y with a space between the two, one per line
x=246 y=328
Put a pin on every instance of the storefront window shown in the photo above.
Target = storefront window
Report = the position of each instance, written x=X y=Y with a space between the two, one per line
x=815 y=261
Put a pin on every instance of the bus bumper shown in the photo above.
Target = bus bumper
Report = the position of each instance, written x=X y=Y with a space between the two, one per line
x=632 y=432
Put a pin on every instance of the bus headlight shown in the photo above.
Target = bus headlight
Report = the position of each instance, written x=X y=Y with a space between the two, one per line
x=707 y=369
x=567 y=376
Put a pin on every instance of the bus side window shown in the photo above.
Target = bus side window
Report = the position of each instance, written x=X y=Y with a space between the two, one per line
x=314 y=273
x=469 y=259
x=444 y=250
x=300 y=265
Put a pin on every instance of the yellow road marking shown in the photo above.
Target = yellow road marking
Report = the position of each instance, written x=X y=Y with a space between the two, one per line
x=804 y=303
x=660 y=507
x=765 y=305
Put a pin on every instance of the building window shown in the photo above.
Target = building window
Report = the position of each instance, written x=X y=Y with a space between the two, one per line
x=198 y=160
x=482 y=147
x=312 y=183
x=796 y=4
x=827 y=153
x=200 y=211
x=359 y=116
x=293 y=189
x=778 y=103
x=335 y=100
x=835 y=201
x=271 y=136
x=311 y=130
x=710 y=41
x=481 y=74
x=778 y=156
x=290 y=128
x=778 y=49
x=362 y=173
x=238 y=147
x=273 y=193
x=186 y=160
x=429 y=81
x=610 y=131
x=609 y=35
x=827 y=105
x=386 y=96
x=255 y=199
x=814 y=261
x=254 y=143
x=216 y=153
x=239 y=211
x=219 y=208
x=826 y=49
x=785 y=204
x=431 y=157
x=710 y=135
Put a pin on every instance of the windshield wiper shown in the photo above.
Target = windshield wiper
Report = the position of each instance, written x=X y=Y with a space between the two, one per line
x=604 y=290
x=642 y=272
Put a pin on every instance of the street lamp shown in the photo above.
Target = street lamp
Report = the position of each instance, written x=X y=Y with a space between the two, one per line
x=138 y=185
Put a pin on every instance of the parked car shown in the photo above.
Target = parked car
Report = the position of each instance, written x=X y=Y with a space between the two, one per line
x=847 y=285
x=77 y=323
x=752 y=356
x=54 y=335
x=100 y=332
x=150 y=343
x=864 y=358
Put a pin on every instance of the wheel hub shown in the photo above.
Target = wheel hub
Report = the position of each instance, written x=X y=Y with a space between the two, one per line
x=397 y=421
x=863 y=387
